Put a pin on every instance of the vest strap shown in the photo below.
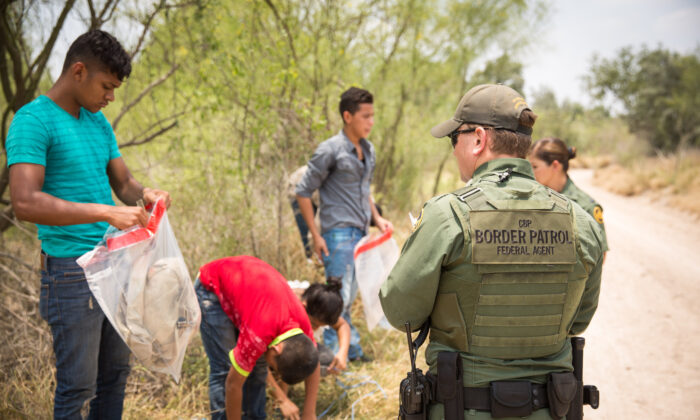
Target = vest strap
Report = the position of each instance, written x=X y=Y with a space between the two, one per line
x=474 y=198
x=464 y=225
x=560 y=201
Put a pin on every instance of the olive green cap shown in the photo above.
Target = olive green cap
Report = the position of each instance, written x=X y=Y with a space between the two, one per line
x=496 y=106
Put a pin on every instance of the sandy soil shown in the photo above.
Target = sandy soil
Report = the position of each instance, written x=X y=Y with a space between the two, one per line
x=643 y=345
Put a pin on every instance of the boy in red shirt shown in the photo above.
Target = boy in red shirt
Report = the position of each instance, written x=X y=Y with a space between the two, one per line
x=248 y=311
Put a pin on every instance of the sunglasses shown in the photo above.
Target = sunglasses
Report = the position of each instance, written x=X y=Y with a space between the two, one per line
x=454 y=136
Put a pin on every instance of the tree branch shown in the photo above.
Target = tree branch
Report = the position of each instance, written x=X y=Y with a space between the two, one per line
x=9 y=41
x=96 y=20
x=6 y=218
x=160 y=122
x=146 y=28
x=48 y=46
x=395 y=45
x=4 y=182
x=136 y=142
x=111 y=12
x=4 y=129
x=287 y=32
x=36 y=70
x=4 y=70
x=92 y=8
x=18 y=261
x=143 y=93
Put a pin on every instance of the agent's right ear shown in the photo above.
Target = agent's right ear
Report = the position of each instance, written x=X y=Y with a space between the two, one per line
x=480 y=141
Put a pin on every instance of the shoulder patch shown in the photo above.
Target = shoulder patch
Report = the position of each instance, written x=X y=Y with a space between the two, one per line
x=418 y=221
x=598 y=214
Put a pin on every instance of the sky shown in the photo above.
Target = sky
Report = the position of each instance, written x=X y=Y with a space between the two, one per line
x=578 y=29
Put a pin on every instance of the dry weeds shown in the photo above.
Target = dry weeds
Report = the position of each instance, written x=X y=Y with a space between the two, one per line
x=26 y=355
x=672 y=177
x=27 y=362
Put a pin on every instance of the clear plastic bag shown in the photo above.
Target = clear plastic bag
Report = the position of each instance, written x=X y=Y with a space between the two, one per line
x=141 y=282
x=375 y=256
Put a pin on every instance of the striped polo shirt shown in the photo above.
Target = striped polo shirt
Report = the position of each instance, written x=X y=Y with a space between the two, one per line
x=75 y=153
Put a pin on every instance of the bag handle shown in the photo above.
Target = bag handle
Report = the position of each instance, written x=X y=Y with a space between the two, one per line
x=373 y=243
x=140 y=234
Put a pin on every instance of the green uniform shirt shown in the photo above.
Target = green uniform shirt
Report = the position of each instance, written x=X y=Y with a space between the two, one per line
x=424 y=278
x=586 y=201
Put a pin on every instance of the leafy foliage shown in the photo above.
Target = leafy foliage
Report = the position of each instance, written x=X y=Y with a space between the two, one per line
x=264 y=79
x=594 y=132
x=659 y=91
x=28 y=35
x=254 y=87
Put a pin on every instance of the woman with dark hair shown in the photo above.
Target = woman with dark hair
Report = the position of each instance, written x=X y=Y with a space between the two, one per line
x=323 y=305
x=550 y=161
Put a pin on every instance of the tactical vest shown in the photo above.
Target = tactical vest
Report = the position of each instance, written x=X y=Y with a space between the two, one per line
x=514 y=291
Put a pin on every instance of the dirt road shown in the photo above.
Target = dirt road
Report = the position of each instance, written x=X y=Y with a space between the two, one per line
x=643 y=346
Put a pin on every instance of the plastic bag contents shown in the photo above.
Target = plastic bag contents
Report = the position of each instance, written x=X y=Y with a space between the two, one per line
x=375 y=256
x=140 y=280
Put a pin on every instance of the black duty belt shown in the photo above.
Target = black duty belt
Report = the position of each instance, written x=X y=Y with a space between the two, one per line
x=480 y=398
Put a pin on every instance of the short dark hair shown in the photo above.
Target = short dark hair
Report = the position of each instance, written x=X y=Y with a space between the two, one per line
x=298 y=360
x=512 y=142
x=323 y=301
x=351 y=99
x=99 y=48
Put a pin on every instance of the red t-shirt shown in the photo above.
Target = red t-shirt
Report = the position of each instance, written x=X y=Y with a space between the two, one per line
x=260 y=303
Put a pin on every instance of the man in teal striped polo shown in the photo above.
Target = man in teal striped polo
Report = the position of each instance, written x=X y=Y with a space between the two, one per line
x=63 y=159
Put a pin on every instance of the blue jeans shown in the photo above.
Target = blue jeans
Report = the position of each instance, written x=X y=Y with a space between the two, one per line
x=219 y=336
x=91 y=358
x=340 y=263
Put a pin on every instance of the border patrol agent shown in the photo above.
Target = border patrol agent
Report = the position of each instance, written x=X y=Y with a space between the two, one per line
x=550 y=162
x=504 y=269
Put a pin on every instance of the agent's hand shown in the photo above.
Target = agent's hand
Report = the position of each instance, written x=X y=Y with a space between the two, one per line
x=320 y=247
x=124 y=217
x=289 y=410
x=151 y=195
x=338 y=364
x=383 y=224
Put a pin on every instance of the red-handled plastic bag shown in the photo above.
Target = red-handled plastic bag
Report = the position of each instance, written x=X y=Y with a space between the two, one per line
x=141 y=282
x=375 y=256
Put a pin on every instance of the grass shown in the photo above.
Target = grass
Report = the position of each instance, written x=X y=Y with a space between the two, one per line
x=26 y=354
x=27 y=362
x=675 y=177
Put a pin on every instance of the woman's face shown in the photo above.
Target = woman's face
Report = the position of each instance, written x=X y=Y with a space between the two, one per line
x=544 y=173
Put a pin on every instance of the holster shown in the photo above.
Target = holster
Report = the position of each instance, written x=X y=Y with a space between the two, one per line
x=511 y=399
x=450 y=385
x=561 y=391
x=414 y=402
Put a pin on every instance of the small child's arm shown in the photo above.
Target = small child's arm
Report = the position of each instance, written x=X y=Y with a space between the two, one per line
x=279 y=392
x=340 y=360
x=311 y=386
